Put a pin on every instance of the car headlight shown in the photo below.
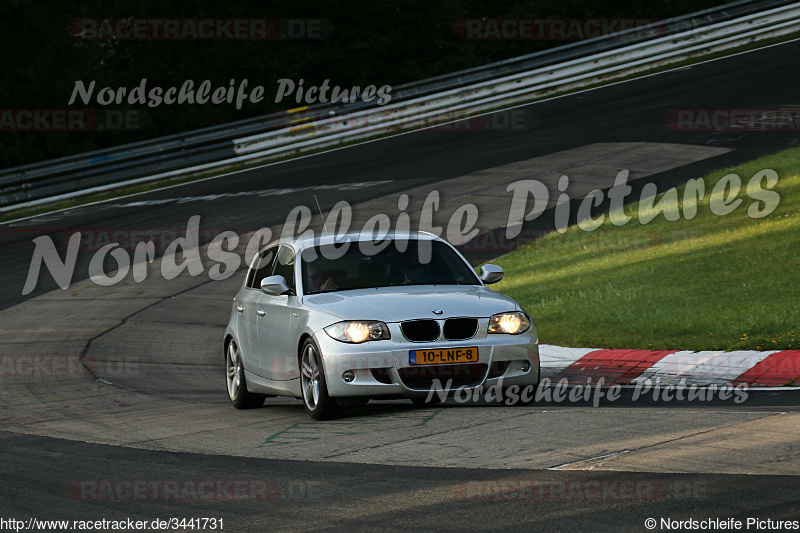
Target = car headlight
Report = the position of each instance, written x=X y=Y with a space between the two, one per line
x=512 y=323
x=358 y=331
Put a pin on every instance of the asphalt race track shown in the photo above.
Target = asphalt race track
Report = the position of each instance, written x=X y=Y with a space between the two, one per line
x=147 y=407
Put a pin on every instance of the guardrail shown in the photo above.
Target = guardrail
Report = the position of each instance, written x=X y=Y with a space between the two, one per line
x=537 y=82
x=426 y=102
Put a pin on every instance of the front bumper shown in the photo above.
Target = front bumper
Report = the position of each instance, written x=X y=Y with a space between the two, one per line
x=383 y=368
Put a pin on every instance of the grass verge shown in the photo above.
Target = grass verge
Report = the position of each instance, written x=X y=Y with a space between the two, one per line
x=709 y=283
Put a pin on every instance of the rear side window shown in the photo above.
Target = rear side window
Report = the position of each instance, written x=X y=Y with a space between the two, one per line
x=261 y=268
x=284 y=265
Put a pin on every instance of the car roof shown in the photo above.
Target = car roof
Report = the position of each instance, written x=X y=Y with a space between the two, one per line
x=302 y=242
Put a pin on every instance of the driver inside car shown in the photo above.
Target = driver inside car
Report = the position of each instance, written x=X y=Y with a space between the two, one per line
x=318 y=280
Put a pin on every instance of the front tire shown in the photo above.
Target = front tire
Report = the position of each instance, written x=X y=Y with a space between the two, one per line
x=238 y=394
x=319 y=405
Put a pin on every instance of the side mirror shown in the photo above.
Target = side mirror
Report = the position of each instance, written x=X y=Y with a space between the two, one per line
x=274 y=285
x=491 y=274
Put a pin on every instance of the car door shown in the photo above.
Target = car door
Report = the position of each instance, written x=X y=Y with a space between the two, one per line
x=247 y=302
x=275 y=336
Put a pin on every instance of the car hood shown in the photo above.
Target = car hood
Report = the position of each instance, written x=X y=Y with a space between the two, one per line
x=395 y=304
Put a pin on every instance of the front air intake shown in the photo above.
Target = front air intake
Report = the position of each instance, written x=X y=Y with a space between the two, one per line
x=420 y=330
x=456 y=329
x=443 y=377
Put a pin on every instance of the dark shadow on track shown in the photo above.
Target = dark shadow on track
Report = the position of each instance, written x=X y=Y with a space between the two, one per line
x=94 y=482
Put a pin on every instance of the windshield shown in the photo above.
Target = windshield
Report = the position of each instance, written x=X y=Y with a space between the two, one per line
x=327 y=269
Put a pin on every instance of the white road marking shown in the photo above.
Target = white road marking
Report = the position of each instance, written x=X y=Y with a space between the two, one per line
x=261 y=193
x=587 y=460
x=703 y=367
x=558 y=357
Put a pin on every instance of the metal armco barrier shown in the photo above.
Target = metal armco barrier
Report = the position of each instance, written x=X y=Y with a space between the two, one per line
x=417 y=104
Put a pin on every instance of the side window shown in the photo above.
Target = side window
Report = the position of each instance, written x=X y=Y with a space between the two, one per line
x=284 y=265
x=261 y=268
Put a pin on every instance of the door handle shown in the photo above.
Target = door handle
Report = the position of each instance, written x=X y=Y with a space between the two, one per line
x=239 y=308
x=260 y=312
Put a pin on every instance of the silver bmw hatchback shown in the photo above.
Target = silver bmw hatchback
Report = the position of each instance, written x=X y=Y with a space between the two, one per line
x=336 y=320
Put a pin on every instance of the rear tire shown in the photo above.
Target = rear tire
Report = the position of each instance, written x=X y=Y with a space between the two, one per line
x=319 y=405
x=238 y=394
